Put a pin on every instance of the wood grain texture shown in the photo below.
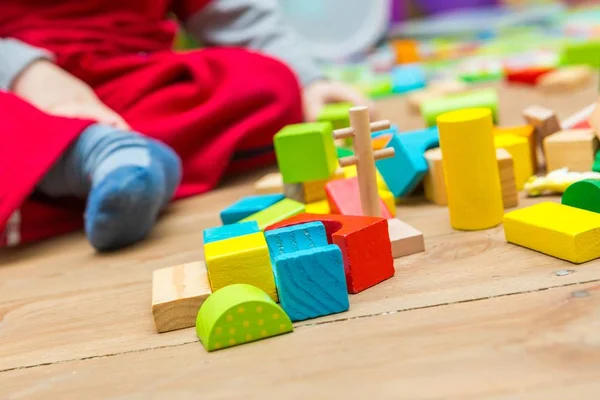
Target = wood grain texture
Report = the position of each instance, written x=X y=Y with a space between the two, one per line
x=405 y=239
x=177 y=294
x=574 y=149
x=539 y=345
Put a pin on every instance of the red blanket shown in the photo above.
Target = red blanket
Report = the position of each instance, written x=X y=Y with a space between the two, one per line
x=218 y=108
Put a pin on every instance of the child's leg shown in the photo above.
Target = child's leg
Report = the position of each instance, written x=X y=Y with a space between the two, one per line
x=128 y=178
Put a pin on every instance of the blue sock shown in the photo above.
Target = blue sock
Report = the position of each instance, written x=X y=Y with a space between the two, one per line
x=127 y=178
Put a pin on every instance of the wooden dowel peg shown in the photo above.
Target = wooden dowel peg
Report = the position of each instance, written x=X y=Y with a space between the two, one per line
x=348 y=161
x=380 y=125
x=384 y=153
x=343 y=133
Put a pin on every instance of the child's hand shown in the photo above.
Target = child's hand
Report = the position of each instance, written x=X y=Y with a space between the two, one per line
x=56 y=92
x=320 y=93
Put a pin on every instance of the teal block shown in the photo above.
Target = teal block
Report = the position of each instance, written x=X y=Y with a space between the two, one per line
x=406 y=78
x=403 y=172
x=230 y=231
x=294 y=238
x=306 y=152
x=247 y=206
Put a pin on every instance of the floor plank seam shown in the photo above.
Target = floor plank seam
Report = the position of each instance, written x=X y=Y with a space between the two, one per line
x=309 y=325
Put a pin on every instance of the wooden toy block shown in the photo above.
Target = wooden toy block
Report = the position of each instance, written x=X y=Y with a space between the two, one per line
x=403 y=172
x=566 y=79
x=596 y=165
x=247 y=206
x=364 y=242
x=318 y=207
x=482 y=98
x=544 y=121
x=435 y=90
x=581 y=52
x=573 y=149
x=594 y=119
x=243 y=259
x=557 y=230
x=342 y=198
x=471 y=169
x=277 y=212
x=309 y=192
x=389 y=200
x=309 y=272
x=519 y=149
x=405 y=239
x=239 y=314
x=584 y=194
x=350 y=172
x=270 y=183
x=556 y=181
x=527 y=76
x=526 y=131
x=305 y=152
x=435 y=185
x=177 y=294
x=230 y=231
x=406 y=78
x=406 y=50
x=364 y=158
x=336 y=113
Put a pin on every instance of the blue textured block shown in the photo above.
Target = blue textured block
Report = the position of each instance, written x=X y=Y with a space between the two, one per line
x=403 y=172
x=247 y=206
x=311 y=283
x=406 y=78
x=230 y=231
x=294 y=238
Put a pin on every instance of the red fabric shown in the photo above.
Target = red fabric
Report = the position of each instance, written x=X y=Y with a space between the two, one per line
x=218 y=108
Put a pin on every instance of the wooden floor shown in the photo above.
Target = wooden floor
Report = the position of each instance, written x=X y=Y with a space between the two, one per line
x=471 y=318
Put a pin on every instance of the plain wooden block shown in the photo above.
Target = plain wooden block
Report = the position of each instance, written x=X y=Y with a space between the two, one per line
x=239 y=314
x=318 y=207
x=343 y=198
x=311 y=191
x=405 y=239
x=574 y=149
x=519 y=149
x=277 y=212
x=544 y=121
x=557 y=230
x=247 y=206
x=270 y=183
x=566 y=79
x=243 y=259
x=364 y=242
x=435 y=184
x=177 y=294
x=230 y=231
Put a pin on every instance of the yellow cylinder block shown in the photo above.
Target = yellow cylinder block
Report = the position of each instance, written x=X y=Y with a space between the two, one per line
x=471 y=169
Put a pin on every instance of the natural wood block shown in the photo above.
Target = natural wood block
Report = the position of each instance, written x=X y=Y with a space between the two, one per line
x=343 y=198
x=243 y=259
x=566 y=79
x=239 y=314
x=527 y=131
x=177 y=294
x=435 y=185
x=574 y=149
x=270 y=183
x=247 y=206
x=312 y=191
x=277 y=212
x=519 y=149
x=544 y=121
x=364 y=242
x=560 y=231
x=405 y=239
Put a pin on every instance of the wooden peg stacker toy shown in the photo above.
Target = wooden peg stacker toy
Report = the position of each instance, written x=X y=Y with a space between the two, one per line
x=364 y=157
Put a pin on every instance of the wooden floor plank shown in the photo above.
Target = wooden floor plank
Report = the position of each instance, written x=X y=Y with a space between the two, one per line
x=537 y=345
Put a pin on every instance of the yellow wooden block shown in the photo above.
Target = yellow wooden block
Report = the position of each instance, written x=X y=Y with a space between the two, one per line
x=279 y=211
x=350 y=172
x=318 y=207
x=574 y=149
x=527 y=131
x=519 y=149
x=435 y=185
x=471 y=169
x=560 y=231
x=177 y=294
x=389 y=200
x=243 y=259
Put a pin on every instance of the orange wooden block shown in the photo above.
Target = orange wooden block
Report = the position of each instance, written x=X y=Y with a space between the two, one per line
x=343 y=198
x=364 y=242
x=381 y=141
x=407 y=51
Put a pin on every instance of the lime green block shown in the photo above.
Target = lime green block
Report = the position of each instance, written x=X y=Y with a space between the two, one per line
x=279 y=211
x=484 y=98
x=344 y=152
x=581 y=53
x=306 y=152
x=338 y=114
x=239 y=314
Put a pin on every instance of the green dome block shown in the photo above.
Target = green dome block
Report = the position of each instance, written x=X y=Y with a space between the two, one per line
x=239 y=314
x=584 y=194
x=484 y=98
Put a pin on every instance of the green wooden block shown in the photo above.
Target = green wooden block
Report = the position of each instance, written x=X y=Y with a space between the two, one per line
x=484 y=98
x=344 y=152
x=239 y=314
x=585 y=52
x=306 y=152
x=279 y=211
x=338 y=114
x=596 y=166
x=584 y=194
